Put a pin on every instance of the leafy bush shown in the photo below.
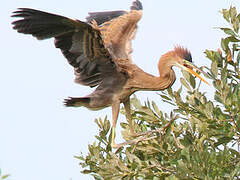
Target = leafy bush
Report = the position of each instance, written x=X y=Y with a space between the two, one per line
x=200 y=139
x=3 y=176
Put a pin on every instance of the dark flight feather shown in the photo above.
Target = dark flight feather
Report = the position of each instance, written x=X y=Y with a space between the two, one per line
x=83 y=46
x=79 y=42
x=137 y=5
x=102 y=17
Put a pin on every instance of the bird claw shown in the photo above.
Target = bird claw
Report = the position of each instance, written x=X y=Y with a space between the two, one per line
x=134 y=134
x=117 y=146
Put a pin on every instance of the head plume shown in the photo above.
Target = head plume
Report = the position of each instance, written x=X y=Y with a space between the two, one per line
x=183 y=53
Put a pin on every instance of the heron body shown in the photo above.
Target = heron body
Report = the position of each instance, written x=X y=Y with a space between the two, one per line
x=100 y=52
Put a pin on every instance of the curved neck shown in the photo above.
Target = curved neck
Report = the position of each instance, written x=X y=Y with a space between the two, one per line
x=147 y=82
x=153 y=83
x=166 y=79
x=167 y=76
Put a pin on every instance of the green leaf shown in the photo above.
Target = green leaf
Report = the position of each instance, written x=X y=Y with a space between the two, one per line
x=185 y=153
x=96 y=121
x=5 y=176
x=85 y=171
x=222 y=141
x=210 y=54
x=214 y=68
x=186 y=75
x=184 y=83
x=226 y=15
x=165 y=97
x=156 y=109
x=234 y=152
x=106 y=126
x=232 y=39
x=236 y=25
x=136 y=103
x=238 y=16
x=192 y=82
x=179 y=91
x=169 y=102
x=218 y=98
x=238 y=58
x=233 y=13
x=236 y=171
x=228 y=31
x=224 y=44
x=170 y=92
x=100 y=139
x=209 y=110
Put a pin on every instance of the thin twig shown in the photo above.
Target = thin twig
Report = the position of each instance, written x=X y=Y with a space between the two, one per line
x=178 y=144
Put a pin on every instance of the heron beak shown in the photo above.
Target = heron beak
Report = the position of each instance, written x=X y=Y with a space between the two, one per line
x=187 y=66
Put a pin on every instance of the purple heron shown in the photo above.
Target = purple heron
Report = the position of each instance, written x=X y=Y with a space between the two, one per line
x=99 y=50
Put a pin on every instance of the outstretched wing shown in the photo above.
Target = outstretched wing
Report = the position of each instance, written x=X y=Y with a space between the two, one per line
x=118 y=28
x=79 y=42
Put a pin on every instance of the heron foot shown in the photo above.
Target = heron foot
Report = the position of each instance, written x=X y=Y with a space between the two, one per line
x=117 y=146
x=134 y=134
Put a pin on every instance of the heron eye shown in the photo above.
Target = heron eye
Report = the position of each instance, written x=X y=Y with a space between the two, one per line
x=188 y=66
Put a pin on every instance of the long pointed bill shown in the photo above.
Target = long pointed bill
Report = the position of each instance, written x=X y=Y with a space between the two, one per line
x=189 y=68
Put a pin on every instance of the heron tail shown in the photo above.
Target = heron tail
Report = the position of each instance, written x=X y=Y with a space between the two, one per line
x=77 y=102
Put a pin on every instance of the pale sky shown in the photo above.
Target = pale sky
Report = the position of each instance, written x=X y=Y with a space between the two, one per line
x=39 y=136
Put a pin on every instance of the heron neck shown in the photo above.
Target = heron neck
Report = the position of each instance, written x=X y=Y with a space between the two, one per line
x=147 y=82
x=162 y=82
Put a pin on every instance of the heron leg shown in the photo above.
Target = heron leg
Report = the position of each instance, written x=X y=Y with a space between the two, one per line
x=115 y=112
x=129 y=117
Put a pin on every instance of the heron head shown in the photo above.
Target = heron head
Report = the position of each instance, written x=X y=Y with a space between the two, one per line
x=184 y=61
